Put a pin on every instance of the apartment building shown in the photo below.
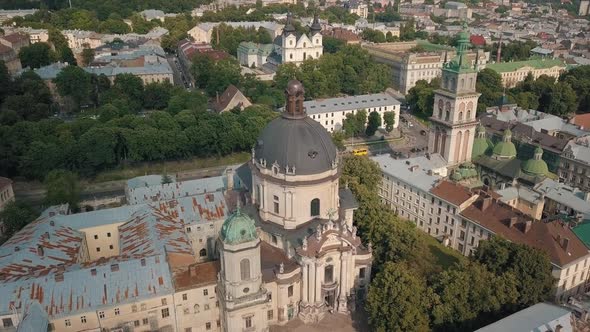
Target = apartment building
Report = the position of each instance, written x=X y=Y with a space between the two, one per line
x=574 y=166
x=331 y=112
x=517 y=71
x=460 y=218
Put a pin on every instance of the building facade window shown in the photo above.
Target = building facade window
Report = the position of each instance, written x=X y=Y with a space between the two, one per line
x=328 y=274
x=245 y=269
x=315 y=207
x=165 y=313
x=68 y=322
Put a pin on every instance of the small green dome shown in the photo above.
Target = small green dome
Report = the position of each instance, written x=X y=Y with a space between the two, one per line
x=473 y=173
x=535 y=167
x=481 y=146
x=456 y=176
x=238 y=228
x=505 y=150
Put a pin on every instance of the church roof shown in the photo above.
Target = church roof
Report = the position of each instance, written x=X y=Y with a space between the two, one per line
x=481 y=146
x=300 y=143
x=505 y=149
x=238 y=228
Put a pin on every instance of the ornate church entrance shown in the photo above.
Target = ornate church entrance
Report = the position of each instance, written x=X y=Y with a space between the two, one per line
x=330 y=298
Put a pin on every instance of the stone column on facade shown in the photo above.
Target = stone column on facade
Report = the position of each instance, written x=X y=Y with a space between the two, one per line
x=318 y=282
x=292 y=194
x=343 y=282
x=311 y=282
x=305 y=283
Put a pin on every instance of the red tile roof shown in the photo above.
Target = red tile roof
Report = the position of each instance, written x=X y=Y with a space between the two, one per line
x=549 y=237
x=477 y=40
x=582 y=120
x=196 y=275
x=451 y=192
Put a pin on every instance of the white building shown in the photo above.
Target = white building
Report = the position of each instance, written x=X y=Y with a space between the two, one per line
x=331 y=112
x=295 y=48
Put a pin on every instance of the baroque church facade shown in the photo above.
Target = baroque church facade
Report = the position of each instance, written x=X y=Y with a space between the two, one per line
x=289 y=47
x=300 y=224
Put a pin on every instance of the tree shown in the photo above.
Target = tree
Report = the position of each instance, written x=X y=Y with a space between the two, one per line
x=61 y=46
x=374 y=36
x=398 y=300
x=62 y=187
x=389 y=119
x=373 y=123
x=15 y=216
x=579 y=79
x=74 y=82
x=469 y=294
x=563 y=100
x=489 y=84
x=408 y=30
x=360 y=119
x=157 y=95
x=531 y=268
x=166 y=179
x=421 y=97
x=332 y=45
x=36 y=55
x=87 y=56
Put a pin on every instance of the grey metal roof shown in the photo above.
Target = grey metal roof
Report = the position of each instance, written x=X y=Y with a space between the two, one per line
x=301 y=143
x=538 y=318
x=347 y=199
x=525 y=193
x=420 y=177
x=564 y=194
x=349 y=103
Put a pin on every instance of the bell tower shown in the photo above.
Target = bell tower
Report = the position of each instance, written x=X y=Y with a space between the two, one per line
x=240 y=289
x=455 y=104
x=294 y=95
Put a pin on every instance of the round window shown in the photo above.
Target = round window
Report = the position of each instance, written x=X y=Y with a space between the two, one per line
x=246 y=290
x=243 y=232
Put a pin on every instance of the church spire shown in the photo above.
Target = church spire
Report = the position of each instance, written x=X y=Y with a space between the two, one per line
x=289 y=28
x=315 y=26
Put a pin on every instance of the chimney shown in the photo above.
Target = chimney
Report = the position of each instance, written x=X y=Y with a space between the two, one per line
x=512 y=221
x=527 y=226
x=566 y=244
x=485 y=203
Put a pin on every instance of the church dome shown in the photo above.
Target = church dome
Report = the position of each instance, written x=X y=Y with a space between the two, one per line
x=536 y=166
x=238 y=228
x=295 y=143
x=506 y=148
x=481 y=144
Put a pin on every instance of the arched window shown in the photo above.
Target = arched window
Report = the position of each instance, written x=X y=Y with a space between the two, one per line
x=471 y=82
x=304 y=56
x=291 y=56
x=245 y=269
x=304 y=44
x=203 y=252
x=315 y=207
x=468 y=115
x=197 y=309
x=462 y=83
x=329 y=274
x=447 y=115
x=460 y=116
x=317 y=41
x=290 y=42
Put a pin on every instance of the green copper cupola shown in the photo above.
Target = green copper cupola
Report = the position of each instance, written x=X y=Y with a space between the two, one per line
x=238 y=228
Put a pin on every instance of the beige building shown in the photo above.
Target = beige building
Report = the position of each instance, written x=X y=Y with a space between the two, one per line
x=80 y=39
x=409 y=67
x=202 y=33
x=517 y=71
x=231 y=98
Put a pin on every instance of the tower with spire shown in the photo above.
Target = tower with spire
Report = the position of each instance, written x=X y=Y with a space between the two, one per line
x=455 y=104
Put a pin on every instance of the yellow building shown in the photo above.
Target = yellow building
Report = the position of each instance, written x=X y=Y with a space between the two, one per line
x=517 y=71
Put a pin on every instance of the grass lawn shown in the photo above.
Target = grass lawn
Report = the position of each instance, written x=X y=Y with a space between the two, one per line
x=444 y=257
x=129 y=172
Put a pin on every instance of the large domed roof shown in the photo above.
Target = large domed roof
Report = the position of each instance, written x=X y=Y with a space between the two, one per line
x=296 y=142
x=505 y=150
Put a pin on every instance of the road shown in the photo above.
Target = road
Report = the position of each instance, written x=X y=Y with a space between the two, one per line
x=181 y=77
